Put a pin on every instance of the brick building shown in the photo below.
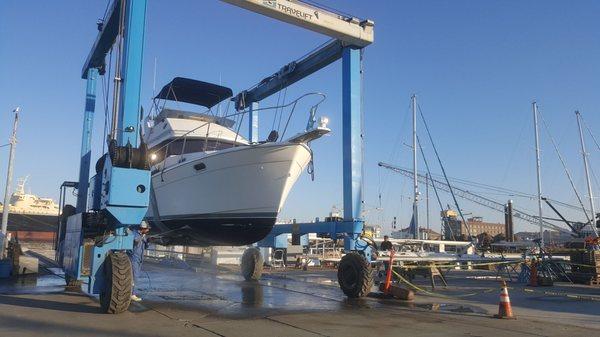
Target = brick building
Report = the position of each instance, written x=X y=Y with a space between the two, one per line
x=454 y=226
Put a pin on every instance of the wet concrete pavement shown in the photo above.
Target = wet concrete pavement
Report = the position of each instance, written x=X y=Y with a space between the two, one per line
x=183 y=300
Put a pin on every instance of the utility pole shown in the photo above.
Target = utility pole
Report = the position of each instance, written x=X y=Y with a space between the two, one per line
x=587 y=174
x=11 y=157
x=415 y=181
x=538 y=171
x=508 y=221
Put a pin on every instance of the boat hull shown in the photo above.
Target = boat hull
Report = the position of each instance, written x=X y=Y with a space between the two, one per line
x=220 y=231
x=229 y=197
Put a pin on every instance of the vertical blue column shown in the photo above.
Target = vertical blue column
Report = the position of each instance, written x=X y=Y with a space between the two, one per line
x=133 y=49
x=253 y=123
x=352 y=133
x=86 y=139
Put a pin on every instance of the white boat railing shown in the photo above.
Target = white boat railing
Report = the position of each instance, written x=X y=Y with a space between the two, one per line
x=184 y=136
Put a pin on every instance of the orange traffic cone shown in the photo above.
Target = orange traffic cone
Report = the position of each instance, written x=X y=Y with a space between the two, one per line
x=388 y=277
x=504 y=308
x=533 y=275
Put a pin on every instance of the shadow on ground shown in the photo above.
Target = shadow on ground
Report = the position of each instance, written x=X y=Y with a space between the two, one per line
x=31 y=302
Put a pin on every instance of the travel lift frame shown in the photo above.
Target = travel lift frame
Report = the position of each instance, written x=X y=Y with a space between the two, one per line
x=93 y=243
x=350 y=35
x=95 y=239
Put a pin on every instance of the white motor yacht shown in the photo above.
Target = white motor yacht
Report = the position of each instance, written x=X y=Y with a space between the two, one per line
x=210 y=185
x=29 y=212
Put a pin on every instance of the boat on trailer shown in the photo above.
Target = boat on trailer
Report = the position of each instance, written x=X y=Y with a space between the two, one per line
x=210 y=185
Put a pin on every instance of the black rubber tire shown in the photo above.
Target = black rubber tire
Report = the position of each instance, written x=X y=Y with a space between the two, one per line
x=252 y=264
x=115 y=297
x=355 y=275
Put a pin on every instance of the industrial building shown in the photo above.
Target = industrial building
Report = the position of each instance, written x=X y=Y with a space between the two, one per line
x=550 y=237
x=424 y=234
x=453 y=226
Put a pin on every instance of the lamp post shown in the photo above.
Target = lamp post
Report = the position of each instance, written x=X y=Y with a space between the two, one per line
x=11 y=157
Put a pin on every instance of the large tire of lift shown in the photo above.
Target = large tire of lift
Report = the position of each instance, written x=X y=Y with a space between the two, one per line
x=252 y=264
x=118 y=283
x=355 y=275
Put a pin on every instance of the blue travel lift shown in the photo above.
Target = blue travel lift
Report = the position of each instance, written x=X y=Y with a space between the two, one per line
x=352 y=225
x=350 y=37
x=94 y=237
x=354 y=273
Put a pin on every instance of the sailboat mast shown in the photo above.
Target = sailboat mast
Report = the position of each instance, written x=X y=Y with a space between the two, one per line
x=427 y=199
x=587 y=174
x=538 y=171
x=415 y=181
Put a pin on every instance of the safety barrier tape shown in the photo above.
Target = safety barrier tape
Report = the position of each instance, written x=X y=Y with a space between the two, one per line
x=579 y=264
x=563 y=294
x=550 y=293
x=454 y=265
x=414 y=286
x=471 y=264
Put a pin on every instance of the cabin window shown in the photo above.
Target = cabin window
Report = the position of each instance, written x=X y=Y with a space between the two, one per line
x=191 y=145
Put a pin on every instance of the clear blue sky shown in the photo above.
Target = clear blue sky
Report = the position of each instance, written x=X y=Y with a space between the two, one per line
x=475 y=65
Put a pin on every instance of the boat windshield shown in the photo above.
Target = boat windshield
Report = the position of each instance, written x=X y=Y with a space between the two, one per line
x=176 y=147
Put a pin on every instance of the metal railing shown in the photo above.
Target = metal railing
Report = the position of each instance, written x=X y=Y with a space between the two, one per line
x=165 y=147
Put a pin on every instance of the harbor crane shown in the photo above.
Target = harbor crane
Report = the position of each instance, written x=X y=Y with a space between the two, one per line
x=94 y=237
x=478 y=199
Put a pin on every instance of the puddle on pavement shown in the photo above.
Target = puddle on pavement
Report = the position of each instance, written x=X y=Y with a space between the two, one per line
x=450 y=307
x=185 y=297
x=359 y=303
x=252 y=295
x=443 y=307
x=33 y=284
x=225 y=294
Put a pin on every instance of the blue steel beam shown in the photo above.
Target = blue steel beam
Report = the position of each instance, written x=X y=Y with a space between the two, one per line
x=352 y=141
x=104 y=40
x=293 y=72
x=352 y=132
x=333 y=228
x=352 y=137
x=349 y=230
x=129 y=111
x=86 y=139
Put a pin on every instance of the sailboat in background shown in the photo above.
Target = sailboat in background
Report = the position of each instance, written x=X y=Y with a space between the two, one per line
x=578 y=229
x=414 y=222
x=592 y=224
